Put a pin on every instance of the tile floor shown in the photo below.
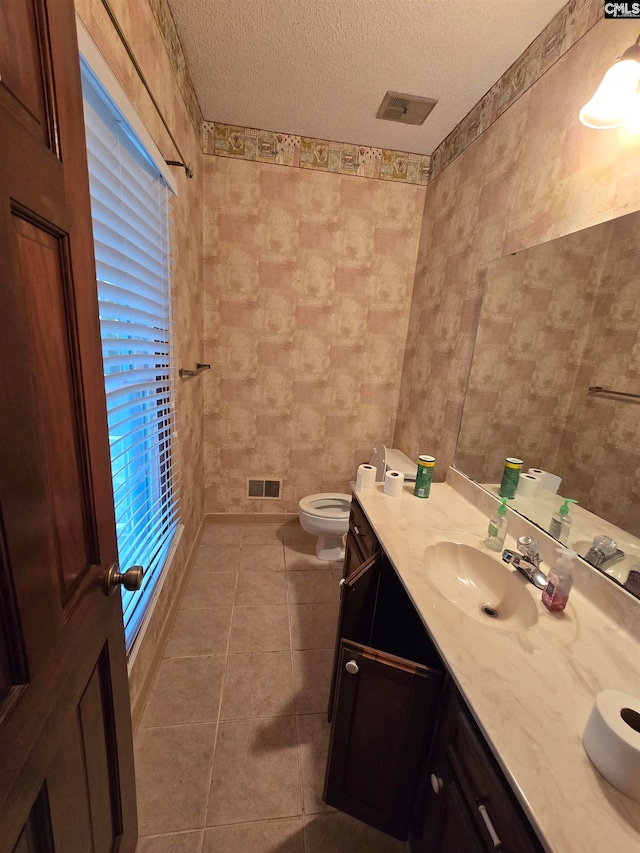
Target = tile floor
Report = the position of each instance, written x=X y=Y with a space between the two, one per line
x=231 y=749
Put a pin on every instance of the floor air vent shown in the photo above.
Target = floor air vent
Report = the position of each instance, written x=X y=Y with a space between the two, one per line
x=270 y=489
x=409 y=109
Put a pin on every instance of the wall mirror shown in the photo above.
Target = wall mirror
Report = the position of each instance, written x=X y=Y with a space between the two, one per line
x=557 y=320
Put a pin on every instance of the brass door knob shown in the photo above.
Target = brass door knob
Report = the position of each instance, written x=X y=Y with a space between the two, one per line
x=131 y=579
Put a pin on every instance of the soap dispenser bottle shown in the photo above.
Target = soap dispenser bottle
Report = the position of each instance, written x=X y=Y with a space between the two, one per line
x=561 y=522
x=560 y=581
x=497 y=529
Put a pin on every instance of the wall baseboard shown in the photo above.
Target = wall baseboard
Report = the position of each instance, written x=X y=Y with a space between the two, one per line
x=250 y=517
x=138 y=704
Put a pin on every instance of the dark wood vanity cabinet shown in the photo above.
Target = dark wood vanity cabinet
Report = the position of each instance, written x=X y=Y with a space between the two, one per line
x=405 y=756
x=464 y=801
x=384 y=696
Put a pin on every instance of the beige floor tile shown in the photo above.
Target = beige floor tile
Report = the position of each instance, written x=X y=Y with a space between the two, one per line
x=221 y=534
x=260 y=629
x=258 y=685
x=262 y=534
x=185 y=690
x=302 y=556
x=171 y=777
x=313 y=741
x=199 y=632
x=209 y=589
x=255 y=772
x=259 y=558
x=313 y=626
x=312 y=678
x=340 y=833
x=182 y=842
x=255 y=588
x=266 y=836
x=293 y=534
x=216 y=558
x=313 y=586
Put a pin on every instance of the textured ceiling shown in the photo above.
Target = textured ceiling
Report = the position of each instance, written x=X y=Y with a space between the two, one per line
x=321 y=67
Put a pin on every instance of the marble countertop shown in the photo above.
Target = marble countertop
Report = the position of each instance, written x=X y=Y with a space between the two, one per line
x=531 y=692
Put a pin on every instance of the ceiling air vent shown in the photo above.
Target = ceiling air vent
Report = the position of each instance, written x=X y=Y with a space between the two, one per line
x=409 y=109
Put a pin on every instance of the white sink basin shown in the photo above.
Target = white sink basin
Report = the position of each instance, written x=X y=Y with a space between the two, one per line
x=479 y=584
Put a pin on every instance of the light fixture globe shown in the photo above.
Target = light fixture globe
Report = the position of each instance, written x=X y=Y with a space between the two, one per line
x=616 y=97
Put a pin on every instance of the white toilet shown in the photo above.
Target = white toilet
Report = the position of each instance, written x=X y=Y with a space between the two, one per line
x=327 y=516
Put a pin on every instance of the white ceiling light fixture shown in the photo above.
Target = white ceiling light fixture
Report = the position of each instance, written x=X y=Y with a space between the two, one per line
x=616 y=98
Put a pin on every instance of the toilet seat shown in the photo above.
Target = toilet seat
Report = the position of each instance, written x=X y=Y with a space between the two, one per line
x=327 y=505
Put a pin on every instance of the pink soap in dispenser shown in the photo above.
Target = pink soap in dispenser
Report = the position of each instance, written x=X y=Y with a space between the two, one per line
x=556 y=592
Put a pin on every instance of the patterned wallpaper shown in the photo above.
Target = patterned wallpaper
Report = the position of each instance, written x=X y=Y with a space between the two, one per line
x=536 y=173
x=342 y=158
x=308 y=278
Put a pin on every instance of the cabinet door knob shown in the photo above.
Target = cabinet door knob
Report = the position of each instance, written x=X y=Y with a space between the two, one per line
x=342 y=581
x=484 y=814
x=352 y=667
x=436 y=783
x=356 y=529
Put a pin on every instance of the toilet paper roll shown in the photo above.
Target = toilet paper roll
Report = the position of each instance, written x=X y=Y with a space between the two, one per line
x=366 y=477
x=550 y=482
x=612 y=740
x=529 y=485
x=393 y=483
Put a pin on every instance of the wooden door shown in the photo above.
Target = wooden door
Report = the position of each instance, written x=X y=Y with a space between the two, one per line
x=384 y=715
x=66 y=765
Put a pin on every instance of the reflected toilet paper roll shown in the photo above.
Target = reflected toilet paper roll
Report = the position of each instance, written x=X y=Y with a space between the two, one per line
x=366 y=477
x=550 y=482
x=393 y=483
x=529 y=485
x=612 y=740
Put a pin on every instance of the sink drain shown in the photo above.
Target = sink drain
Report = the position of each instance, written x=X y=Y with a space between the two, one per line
x=490 y=611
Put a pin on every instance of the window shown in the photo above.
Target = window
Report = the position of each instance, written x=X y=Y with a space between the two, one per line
x=131 y=229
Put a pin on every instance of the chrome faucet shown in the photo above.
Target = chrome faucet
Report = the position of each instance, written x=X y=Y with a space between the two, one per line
x=604 y=553
x=528 y=562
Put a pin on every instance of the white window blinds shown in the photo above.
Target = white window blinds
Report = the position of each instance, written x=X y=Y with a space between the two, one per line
x=131 y=229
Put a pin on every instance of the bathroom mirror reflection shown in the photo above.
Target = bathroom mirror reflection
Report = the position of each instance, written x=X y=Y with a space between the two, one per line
x=556 y=320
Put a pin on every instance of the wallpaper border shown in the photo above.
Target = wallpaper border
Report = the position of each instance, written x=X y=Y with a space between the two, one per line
x=561 y=33
x=323 y=155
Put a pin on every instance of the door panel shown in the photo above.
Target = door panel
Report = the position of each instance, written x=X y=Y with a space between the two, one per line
x=36 y=835
x=66 y=774
x=25 y=63
x=45 y=278
x=384 y=715
x=357 y=606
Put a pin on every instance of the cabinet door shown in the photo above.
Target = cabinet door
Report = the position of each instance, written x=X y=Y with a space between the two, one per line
x=449 y=828
x=472 y=786
x=384 y=713
x=358 y=594
x=362 y=531
x=353 y=556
